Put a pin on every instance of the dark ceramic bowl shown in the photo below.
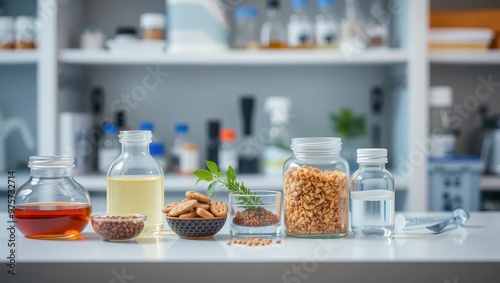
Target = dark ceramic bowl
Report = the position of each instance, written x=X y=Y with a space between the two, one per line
x=196 y=228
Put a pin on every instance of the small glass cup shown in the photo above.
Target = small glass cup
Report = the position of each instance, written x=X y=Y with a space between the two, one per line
x=257 y=215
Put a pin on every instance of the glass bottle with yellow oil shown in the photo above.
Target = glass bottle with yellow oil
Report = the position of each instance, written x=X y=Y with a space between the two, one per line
x=135 y=181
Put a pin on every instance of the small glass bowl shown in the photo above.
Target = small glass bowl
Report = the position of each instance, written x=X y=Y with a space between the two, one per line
x=255 y=220
x=118 y=227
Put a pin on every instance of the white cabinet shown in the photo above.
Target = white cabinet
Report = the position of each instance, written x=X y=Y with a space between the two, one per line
x=319 y=82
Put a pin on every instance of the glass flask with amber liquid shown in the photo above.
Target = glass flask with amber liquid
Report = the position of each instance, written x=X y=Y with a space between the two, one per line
x=273 y=32
x=51 y=204
x=135 y=181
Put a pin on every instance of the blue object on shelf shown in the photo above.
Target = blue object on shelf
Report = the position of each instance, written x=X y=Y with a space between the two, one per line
x=454 y=182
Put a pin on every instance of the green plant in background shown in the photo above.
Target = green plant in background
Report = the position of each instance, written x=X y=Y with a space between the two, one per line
x=348 y=125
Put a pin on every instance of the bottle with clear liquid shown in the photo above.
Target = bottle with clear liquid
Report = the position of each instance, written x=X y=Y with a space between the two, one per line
x=273 y=33
x=276 y=150
x=372 y=195
x=180 y=130
x=135 y=181
x=300 y=30
x=228 y=154
x=352 y=36
x=377 y=28
x=326 y=27
x=109 y=147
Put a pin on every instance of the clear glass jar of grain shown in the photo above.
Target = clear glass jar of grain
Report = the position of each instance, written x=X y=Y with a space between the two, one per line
x=316 y=189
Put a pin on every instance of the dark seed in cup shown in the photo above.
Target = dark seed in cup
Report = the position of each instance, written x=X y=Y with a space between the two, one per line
x=123 y=228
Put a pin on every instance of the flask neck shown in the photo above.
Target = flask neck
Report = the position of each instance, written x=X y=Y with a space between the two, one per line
x=130 y=149
x=51 y=172
x=372 y=167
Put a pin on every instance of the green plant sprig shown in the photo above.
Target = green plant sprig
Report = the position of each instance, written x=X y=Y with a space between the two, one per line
x=214 y=177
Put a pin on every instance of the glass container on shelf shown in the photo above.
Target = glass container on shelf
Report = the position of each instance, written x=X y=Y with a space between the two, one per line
x=180 y=130
x=372 y=195
x=273 y=32
x=7 y=39
x=228 y=154
x=377 y=29
x=276 y=151
x=326 y=26
x=352 y=35
x=109 y=147
x=135 y=181
x=316 y=189
x=51 y=204
x=245 y=30
x=300 y=30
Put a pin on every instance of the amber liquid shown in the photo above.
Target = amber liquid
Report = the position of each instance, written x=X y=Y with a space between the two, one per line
x=51 y=220
x=274 y=44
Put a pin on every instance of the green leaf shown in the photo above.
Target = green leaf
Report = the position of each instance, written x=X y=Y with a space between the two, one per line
x=231 y=174
x=220 y=174
x=203 y=175
x=211 y=189
x=212 y=166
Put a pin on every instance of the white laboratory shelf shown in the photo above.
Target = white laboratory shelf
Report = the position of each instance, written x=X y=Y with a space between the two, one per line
x=465 y=57
x=9 y=57
x=490 y=183
x=180 y=183
x=233 y=57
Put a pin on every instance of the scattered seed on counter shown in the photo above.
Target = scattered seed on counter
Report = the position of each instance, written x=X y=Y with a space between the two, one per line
x=252 y=241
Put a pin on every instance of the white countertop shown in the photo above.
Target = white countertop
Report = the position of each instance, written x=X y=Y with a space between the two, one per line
x=476 y=245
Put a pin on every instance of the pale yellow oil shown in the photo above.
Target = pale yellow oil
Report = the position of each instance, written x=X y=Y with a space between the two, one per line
x=142 y=195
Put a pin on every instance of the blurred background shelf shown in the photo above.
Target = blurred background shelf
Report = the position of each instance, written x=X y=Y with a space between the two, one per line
x=465 y=57
x=18 y=57
x=234 y=57
x=179 y=183
x=490 y=183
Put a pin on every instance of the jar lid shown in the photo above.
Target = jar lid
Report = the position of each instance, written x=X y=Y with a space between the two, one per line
x=372 y=155
x=56 y=161
x=152 y=20
x=126 y=30
x=181 y=128
x=318 y=144
x=246 y=12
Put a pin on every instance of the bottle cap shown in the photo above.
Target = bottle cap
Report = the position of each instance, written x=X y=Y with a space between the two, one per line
x=109 y=128
x=300 y=3
x=146 y=126
x=152 y=21
x=156 y=149
x=372 y=155
x=246 y=12
x=441 y=96
x=273 y=4
x=325 y=3
x=227 y=135
x=279 y=108
x=181 y=128
x=126 y=30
